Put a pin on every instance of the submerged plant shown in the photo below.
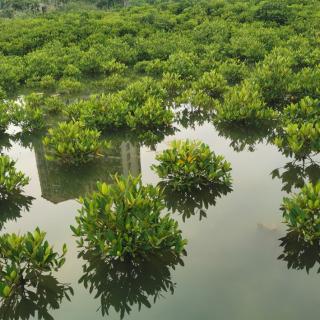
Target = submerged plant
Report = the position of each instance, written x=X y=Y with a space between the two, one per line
x=72 y=143
x=124 y=220
x=190 y=164
x=23 y=258
x=11 y=180
x=301 y=212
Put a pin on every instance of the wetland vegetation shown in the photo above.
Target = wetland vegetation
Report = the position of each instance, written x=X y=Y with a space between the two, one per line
x=123 y=121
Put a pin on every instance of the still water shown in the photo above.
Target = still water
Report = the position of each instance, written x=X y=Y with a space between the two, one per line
x=232 y=269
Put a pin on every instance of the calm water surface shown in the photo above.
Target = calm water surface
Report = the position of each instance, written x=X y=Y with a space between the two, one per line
x=232 y=270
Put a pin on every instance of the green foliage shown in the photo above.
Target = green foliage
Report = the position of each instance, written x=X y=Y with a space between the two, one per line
x=28 y=117
x=73 y=144
x=189 y=164
x=183 y=64
x=301 y=212
x=207 y=91
x=4 y=117
x=233 y=70
x=100 y=111
x=244 y=104
x=69 y=86
x=23 y=257
x=273 y=77
x=124 y=220
x=300 y=132
x=11 y=180
x=273 y=11
x=151 y=115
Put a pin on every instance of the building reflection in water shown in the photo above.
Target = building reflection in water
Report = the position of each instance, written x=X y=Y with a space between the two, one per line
x=60 y=183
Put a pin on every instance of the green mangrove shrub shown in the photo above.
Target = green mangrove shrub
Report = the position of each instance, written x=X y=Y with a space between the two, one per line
x=301 y=212
x=207 y=91
x=151 y=115
x=11 y=180
x=105 y=111
x=72 y=143
x=4 y=117
x=23 y=258
x=274 y=76
x=244 y=104
x=28 y=118
x=124 y=219
x=300 y=131
x=188 y=165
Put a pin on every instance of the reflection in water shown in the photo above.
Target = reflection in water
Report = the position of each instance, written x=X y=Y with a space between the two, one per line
x=11 y=208
x=244 y=136
x=295 y=174
x=150 y=138
x=190 y=117
x=60 y=183
x=4 y=142
x=195 y=202
x=26 y=303
x=299 y=254
x=124 y=284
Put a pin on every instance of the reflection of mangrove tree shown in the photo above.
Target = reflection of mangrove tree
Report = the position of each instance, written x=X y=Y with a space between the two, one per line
x=246 y=136
x=59 y=183
x=299 y=254
x=190 y=117
x=123 y=284
x=296 y=173
x=10 y=209
x=194 y=202
x=5 y=142
x=46 y=294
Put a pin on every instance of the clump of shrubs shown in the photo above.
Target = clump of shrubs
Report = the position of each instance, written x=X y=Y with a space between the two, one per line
x=73 y=144
x=23 y=258
x=301 y=212
x=244 y=104
x=189 y=165
x=4 y=117
x=124 y=219
x=300 y=131
x=28 y=118
x=207 y=91
x=151 y=115
x=122 y=110
x=11 y=180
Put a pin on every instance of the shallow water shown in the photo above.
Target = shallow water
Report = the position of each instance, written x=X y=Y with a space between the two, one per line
x=232 y=270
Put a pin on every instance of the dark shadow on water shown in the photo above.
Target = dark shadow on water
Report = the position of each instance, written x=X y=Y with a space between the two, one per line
x=190 y=117
x=298 y=254
x=245 y=137
x=193 y=203
x=296 y=173
x=11 y=208
x=36 y=301
x=122 y=285
x=5 y=142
